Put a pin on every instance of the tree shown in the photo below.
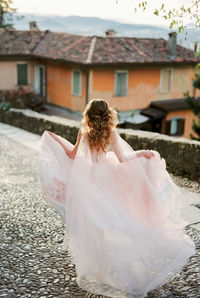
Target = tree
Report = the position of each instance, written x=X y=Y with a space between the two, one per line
x=194 y=105
x=184 y=16
x=6 y=11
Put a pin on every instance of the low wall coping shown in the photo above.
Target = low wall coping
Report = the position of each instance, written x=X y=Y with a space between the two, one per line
x=182 y=155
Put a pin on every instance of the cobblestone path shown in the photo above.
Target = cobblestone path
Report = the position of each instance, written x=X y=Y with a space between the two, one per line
x=32 y=263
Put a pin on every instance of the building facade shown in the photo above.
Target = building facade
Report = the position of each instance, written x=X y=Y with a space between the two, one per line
x=130 y=73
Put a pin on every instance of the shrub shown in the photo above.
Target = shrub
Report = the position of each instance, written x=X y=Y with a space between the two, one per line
x=21 y=99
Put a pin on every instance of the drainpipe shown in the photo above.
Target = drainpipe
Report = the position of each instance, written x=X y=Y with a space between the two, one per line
x=46 y=82
x=88 y=61
x=195 y=51
x=87 y=72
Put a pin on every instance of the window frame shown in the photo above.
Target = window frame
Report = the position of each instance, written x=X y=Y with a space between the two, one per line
x=177 y=118
x=162 y=78
x=18 y=63
x=36 y=67
x=115 y=82
x=72 y=83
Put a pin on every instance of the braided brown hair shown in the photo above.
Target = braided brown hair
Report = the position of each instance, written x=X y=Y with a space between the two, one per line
x=98 y=122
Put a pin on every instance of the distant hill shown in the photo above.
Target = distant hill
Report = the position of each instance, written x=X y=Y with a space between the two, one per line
x=98 y=26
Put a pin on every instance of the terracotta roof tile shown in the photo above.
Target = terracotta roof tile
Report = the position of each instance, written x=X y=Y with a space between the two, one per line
x=137 y=50
x=105 y=50
x=64 y=46
x=19 y=42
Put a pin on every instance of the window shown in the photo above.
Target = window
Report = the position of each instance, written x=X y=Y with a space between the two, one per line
x=22 y=74
x=165 y=80
x=175 y=126
x=76 y=82
x=40 y=79
x=121 y=83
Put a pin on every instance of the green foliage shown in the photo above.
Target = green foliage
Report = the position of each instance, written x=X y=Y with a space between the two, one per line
x=197 y=66
x=194 y=105
x=6 y=11
x=156 y=12
x=21 y=99
x=5 y=106
x=176 y=15
x=196 y=81
x=196 y=129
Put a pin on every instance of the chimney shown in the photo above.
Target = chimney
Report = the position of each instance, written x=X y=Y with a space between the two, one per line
x=172 y=44
x=195 y=46
x=33 y=26
x=110 y=33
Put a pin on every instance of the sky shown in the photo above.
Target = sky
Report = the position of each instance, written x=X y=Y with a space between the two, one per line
x=120 y=10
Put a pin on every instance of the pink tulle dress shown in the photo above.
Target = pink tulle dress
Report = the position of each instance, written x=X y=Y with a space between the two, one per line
x=121 y=214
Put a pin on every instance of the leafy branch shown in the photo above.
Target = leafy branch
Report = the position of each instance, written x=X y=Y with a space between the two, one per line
x=176 y=16
x=6 y=11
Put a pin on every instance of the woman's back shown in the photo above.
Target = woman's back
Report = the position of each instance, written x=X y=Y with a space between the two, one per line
x=120 y=208
x=120 y=216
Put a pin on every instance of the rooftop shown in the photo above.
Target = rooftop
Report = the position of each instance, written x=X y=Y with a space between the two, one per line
x=159 y=109
x=91 y=50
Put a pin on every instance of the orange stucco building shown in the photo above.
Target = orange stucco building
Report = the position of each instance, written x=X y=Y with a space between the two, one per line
x=130 y=73
x=143 y=88
x=59 y=87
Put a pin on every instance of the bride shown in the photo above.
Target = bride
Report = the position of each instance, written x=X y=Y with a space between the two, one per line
x=120 y=208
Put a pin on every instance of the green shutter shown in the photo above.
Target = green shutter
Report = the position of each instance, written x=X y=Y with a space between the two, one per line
x=121 y=84
x=22 y=74
x=76 y=83
x=181 y=126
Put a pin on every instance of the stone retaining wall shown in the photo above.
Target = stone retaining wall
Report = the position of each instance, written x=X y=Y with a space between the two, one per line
x=182 y=156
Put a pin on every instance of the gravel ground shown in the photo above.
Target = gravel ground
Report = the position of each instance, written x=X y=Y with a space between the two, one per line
x=193 y=186
x=31 y=232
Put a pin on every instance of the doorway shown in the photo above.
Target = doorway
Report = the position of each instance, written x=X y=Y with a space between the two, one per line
x=40 y=82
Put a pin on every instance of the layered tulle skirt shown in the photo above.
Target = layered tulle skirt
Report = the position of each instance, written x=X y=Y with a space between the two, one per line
x=123 y=224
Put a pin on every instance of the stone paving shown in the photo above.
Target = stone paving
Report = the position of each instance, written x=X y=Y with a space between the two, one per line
x=32 y=262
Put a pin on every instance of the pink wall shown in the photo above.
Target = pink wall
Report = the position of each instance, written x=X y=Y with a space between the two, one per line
x=8 y=75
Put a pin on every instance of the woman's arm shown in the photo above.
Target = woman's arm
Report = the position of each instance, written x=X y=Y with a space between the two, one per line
x=70 y=153
x=73 y=152
x=122 y=149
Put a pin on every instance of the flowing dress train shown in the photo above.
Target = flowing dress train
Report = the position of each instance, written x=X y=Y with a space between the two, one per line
x=121 y=212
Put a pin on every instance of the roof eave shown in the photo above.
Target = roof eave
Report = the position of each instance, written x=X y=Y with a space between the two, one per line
x=58 y=60
x=36 y=57
x=171 y=107
x=14 y=56
x=95 y=65
x=111 y=64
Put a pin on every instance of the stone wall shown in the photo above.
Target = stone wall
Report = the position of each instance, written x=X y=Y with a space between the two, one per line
x=182 y=156
x=38 y=123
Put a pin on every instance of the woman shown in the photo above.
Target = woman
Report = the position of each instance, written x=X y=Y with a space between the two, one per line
x=120 y=206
